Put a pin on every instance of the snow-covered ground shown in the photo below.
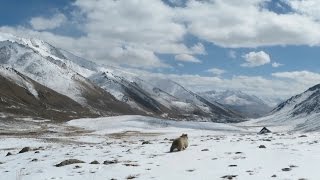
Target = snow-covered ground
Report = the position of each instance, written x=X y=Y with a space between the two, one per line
x=215 y=151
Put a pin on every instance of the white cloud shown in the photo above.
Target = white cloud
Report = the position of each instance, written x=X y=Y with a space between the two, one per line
x=306 y=7
x=186 y=58
x=180 y=65
x=232 y=54
x=306 y=78
x=247 y=23
x=275 y=64
x=41 y=23
x=254 y=59
x=198 y=49
x=216 y=71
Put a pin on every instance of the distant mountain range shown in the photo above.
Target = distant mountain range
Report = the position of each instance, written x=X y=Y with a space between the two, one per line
x=40 y=80
x=248 y=105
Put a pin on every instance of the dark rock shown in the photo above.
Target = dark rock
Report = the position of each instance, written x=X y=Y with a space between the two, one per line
x=293 y=166
x=37 y=152
x=77 y=167
x=110 y=162
x=274 y=176
x=9 y=154
x=190 y=170
x=238 y=152
x=264 y=130
x=232 y=165
x=229 y=176
x=94 y=162
x=69 y=161
x=286 y=169
x=262 y=146
x=132 y=176
x=303 y=136
x=146 y=142
x=25 y=149
x=34 y=160
x=133 y=165
x=205 y=150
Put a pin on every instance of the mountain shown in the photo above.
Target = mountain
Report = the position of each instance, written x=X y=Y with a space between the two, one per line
x=47 y=66
x=104 y=90
x=302 y=111
x=248 y=105
x=21 y=95
x=156 y=97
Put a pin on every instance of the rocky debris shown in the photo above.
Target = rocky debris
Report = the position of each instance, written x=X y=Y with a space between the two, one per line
x=133 y=165
x=264 y=130
x=229 y=176
x=25 y=149
x=68 y=162
x=111 y=162
x=205 y=150
x=238 y=152
x=302 y=136
x=37 y=152
x=262 y=146
x=77 y=167
x=9 y=154
x=34 y=160
x=274 y=176
x=293 y=166
x=286 y=169
x=190 y=170
x=233 y=165
x=146 y=142
x=94 y=162
x=132 y=176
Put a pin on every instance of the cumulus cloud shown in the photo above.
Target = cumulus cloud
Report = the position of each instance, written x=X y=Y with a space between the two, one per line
x=41 y=23
x=186 y=58
x=254 y=59
x=304 y=77
x=247 y=23
x=275 y=64
x=232 y=54
x=216 y=71
x=306 y=7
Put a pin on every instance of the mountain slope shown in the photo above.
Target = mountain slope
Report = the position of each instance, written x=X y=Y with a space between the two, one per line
x=302 y=111
x=22 y=96
x=248 y=105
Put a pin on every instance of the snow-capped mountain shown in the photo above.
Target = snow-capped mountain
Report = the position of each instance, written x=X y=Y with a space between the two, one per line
x=106 y=90
x=21 y=95
x=161 y=96
x=248 y=105
x=47 y=66
x=302 y=111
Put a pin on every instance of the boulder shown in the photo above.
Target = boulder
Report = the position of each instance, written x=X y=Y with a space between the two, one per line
x=264 y=130
x=69 y=161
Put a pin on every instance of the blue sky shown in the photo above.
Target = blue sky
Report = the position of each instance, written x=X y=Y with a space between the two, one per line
x=226 y=44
